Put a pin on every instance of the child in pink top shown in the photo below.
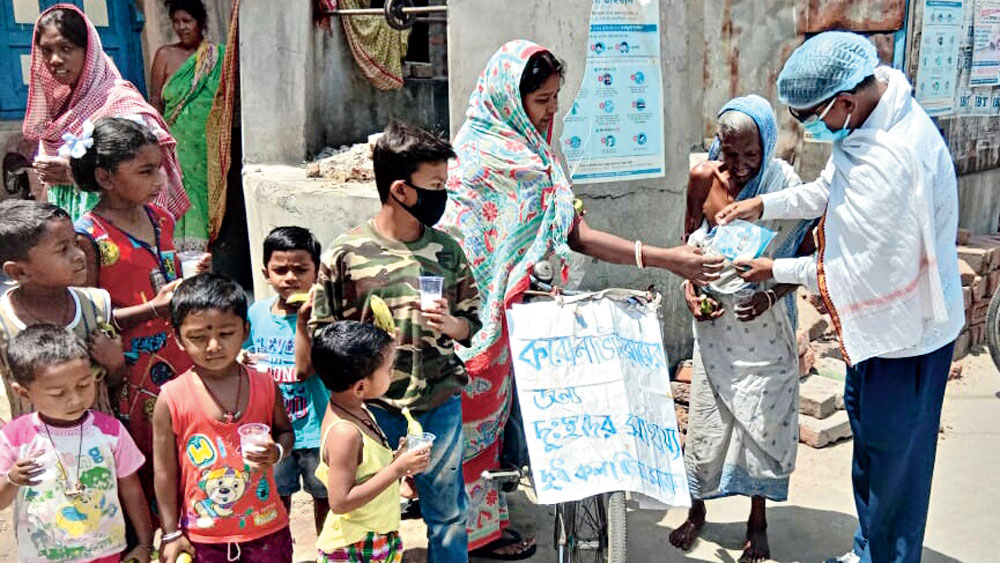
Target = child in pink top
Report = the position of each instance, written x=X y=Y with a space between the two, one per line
x=229 y=506
x=71 y=471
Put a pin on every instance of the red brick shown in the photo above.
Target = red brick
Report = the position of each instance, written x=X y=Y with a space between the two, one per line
x=967 y=296
x=979 y=259
x=977 y=336
x=683 y=373
x=966 y=272
x=992 y=282
x=806 y=362
x=963 y=236
x=978 y=290
x=978 y=313
x=819 y=433
x=955 y=372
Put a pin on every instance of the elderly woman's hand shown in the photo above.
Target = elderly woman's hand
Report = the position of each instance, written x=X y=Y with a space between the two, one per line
x=696 y=305
x=756 y=306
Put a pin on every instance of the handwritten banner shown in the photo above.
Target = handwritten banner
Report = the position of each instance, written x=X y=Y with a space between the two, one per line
x=594 y=387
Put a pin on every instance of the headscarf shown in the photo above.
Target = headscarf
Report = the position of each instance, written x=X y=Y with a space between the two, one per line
x=55 y=109
x=510 y=202
x=772 y=176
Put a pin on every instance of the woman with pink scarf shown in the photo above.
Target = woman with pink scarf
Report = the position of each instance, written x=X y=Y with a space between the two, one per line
x=74 y=81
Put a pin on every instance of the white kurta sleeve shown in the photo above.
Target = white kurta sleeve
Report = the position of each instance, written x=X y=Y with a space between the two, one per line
x=807 y=201
x=798 y=271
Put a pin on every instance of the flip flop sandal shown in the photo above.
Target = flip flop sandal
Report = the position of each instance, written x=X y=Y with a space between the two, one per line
x=488 y=551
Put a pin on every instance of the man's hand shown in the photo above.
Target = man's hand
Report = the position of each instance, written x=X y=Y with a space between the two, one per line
x=440 y=319
x=748 y=210
x=755 y=271
x=691 y=264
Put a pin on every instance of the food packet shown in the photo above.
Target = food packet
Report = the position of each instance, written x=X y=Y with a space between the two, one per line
x=738 y=240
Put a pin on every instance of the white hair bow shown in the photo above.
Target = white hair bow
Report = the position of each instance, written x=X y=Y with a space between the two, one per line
x=76 y=147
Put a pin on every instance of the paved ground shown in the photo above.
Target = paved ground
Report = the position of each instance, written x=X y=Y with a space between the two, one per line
x=818 y=520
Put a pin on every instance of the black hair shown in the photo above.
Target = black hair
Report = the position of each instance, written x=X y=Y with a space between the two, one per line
x=194 y=7
x=116 y=140
x=868 y=82
x=69 y=23
x=540 y=67
x=23 y=223
x=401 y=149
x=345 y=352
x=291 y=238
x=42 y=345
x=206 y=292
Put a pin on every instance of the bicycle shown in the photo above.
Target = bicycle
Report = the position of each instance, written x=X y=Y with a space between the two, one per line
x=593 y=529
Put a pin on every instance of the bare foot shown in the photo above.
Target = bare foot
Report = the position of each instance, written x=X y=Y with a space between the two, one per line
x=683 y=537
x=757 y=549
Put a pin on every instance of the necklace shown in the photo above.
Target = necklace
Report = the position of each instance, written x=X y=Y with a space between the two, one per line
x=63 y=312
x=230 y=415
x=368 y=421
x=77 y=488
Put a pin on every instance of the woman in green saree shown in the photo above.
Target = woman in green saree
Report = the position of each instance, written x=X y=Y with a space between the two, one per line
x=185 y=78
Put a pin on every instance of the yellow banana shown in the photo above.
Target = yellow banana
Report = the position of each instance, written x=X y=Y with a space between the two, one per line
x=413 y=427
x=382 y=314
x=184 y=557
x=297 y=298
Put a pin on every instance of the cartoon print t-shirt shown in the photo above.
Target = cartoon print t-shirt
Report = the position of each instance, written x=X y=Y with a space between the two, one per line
x=223 y=499
x=305 y=401
x=67 y=518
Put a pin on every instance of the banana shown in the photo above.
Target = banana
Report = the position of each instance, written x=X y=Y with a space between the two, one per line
x=106 y=328
x=382 y=314
x=297 y=298
x=184 y=557
x=413 y=427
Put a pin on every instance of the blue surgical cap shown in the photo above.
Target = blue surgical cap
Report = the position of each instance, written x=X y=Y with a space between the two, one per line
x=831 y=62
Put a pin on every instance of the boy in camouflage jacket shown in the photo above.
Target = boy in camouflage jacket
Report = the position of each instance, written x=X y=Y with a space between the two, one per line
x=385 y=257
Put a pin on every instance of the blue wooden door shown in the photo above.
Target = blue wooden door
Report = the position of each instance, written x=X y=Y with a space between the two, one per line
x=117 y=21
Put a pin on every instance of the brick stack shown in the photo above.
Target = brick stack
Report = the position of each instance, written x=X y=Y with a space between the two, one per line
x=680 y=387
x=979 y=267
x=822 y=419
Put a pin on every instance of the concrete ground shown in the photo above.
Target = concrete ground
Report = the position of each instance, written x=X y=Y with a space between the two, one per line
x=817 y=521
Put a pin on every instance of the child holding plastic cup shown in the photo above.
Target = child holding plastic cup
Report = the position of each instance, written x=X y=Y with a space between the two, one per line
x=357 y=463
x=72 y=471
x=218 y=431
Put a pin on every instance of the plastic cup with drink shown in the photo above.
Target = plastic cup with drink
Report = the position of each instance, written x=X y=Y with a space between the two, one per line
x=418 y=441
x=253 y=438
x=431 y=289
x=189 y=262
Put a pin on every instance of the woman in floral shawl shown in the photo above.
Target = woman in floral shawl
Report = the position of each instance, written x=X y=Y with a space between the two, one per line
x=185 y=79
x=511 y=206
x=72 y=81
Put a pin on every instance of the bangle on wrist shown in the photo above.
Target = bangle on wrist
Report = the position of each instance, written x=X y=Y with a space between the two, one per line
x=11 y=481
x=638 y=255
x=281 y=452
x=172 y=536
x=152 y=309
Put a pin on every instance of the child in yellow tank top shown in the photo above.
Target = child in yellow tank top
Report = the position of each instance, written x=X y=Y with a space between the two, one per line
x=359 y=467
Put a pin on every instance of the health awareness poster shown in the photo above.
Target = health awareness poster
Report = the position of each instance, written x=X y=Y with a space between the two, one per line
x=614 y=129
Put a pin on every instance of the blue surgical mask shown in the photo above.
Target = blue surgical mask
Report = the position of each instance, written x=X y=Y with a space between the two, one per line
x=821 y=131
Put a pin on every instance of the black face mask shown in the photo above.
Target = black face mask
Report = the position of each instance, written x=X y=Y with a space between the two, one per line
x=429 y=207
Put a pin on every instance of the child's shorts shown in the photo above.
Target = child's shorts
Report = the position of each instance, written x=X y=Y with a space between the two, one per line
x=375 y=548
x=302 y=462
x=276 y=548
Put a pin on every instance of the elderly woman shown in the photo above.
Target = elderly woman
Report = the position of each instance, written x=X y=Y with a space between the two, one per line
x=743 y=425
x=185 y=78
x=73 y=81
x=511 y=205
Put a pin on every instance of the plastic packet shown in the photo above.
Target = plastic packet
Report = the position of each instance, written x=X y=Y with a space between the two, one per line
x=738 y=240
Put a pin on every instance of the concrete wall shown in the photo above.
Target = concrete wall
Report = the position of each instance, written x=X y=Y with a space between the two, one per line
x=302 y=90
x=282 y=195
x=651 y=210
x=979 y=201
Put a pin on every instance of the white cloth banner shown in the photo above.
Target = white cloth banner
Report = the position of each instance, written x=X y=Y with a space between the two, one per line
x=594 y=386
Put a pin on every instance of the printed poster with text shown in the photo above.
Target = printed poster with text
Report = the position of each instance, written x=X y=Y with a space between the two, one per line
x=594 y=390
x=937 y=73
x=614 y=129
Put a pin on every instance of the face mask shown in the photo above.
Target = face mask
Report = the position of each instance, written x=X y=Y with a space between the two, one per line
x=429 y=207
x=821 y=131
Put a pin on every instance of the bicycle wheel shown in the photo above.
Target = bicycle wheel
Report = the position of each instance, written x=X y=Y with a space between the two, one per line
x=993 y=330
x=597 y=529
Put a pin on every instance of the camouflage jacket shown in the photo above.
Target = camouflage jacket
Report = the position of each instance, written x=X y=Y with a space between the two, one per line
x=361 y=263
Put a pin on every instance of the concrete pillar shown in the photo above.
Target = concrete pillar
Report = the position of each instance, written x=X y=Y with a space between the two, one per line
x=276 y=86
